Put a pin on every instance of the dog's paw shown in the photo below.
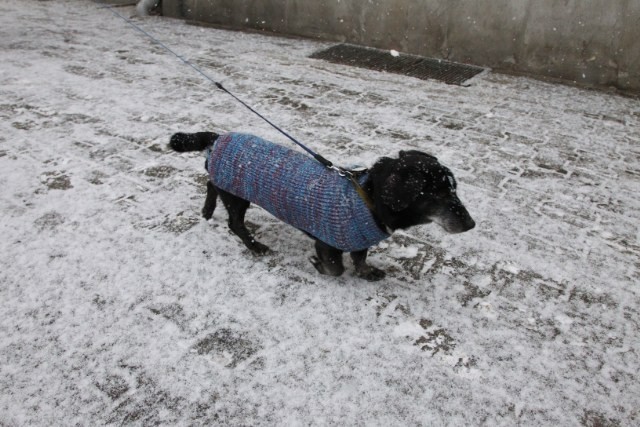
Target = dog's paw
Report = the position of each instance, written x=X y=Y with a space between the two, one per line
x=329 y=270
x=258 y=248
x=370 y=273
x=207 y=214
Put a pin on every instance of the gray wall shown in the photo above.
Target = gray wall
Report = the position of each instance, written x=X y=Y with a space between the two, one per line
x=586 y=41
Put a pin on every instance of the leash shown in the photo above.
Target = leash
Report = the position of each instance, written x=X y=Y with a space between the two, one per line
x=315 y=155
x=328 y=164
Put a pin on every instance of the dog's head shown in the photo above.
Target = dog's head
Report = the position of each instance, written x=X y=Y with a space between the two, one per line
x=416 y=189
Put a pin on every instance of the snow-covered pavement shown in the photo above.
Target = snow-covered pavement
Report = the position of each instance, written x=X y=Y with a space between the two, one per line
x=119 y=304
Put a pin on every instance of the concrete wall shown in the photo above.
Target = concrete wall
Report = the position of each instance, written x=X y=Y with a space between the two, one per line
x=592 y=42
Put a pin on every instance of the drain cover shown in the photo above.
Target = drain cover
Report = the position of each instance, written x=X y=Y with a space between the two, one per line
x=408 y=65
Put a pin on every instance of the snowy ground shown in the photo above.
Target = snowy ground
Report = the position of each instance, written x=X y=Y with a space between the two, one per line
x=119 y=304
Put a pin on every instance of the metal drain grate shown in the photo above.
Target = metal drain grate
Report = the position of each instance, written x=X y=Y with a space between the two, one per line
x=408 y=65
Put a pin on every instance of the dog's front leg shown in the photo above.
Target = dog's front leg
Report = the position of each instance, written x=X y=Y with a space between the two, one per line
x=329 y=259
x=363 y=269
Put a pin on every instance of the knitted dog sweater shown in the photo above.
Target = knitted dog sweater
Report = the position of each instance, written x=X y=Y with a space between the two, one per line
x=295 y=188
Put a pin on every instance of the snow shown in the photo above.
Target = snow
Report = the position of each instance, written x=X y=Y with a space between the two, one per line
x=120 y=304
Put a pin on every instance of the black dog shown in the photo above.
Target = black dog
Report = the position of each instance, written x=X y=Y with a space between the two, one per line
x=400 y=193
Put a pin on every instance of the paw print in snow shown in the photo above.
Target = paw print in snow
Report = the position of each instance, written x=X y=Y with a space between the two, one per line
x=435 y=339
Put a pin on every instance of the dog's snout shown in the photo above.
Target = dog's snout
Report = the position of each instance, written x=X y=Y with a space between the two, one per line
x=470 y=224
x=454 y=218
x=466 y=222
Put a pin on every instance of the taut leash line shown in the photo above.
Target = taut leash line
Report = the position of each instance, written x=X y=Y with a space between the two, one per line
x=315 y=155
x=342 y=171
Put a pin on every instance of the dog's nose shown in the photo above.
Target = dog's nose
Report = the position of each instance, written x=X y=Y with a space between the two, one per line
x=466 y=222
x=470 y=224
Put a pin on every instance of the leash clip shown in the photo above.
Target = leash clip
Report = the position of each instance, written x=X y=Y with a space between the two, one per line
x=342 y=171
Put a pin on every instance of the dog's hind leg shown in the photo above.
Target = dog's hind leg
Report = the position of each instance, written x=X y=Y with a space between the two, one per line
x=329 y=259
x=363 y=269
x=237 y=207
x=210 y=202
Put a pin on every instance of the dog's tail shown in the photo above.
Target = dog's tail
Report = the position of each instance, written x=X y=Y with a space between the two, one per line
x=198 y=141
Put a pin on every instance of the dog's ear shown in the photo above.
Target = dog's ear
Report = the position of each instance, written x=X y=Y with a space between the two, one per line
x=400 y=190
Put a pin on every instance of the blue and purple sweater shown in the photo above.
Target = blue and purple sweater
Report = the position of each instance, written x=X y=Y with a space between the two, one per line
x=295 y=188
